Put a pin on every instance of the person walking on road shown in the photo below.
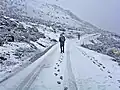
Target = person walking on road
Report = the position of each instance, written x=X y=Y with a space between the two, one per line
x=62 y=42
x=78 y=36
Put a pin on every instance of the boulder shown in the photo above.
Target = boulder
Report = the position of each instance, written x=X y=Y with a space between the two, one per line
x=10 y=38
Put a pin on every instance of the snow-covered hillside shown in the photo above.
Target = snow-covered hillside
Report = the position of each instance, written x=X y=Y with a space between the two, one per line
x=47 y=12
x=106 y=43
x=20 y=42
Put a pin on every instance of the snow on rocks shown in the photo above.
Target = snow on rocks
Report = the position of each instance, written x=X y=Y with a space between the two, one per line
x=12 y=55
x=19 y=41
x=103 y=43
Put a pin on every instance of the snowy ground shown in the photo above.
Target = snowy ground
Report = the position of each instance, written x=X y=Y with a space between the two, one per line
x=81 y=69
x=14 y=54
x=17 y=54
x=77 y=69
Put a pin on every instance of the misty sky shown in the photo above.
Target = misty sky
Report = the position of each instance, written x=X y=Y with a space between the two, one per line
x=102 y=13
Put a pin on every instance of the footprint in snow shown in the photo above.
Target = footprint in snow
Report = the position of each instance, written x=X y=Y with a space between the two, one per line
x=110 y=76
x=58 y=82
x=88 y=56
x=58 y=70
x=82 y=53
x=101 y=69
x=94 y=62
x=55 y=74
x=91 y=59
x=61 y=77
x=60 y=61
x=55 y=68
x=108 y=71
x=98 y=65
x=58 y=65
x=118 y=81
x=65 y=88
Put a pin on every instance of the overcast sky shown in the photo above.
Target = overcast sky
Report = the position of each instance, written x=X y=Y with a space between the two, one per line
x=102 y=13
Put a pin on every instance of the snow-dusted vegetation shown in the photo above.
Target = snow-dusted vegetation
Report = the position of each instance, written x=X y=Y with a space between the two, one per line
x=20 y=41
x=107 y=43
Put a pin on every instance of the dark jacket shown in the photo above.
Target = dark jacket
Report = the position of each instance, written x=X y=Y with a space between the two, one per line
x=62 y=39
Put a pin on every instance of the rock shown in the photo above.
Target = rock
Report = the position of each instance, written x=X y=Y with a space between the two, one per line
x=3 y=58
x=1 y=43
x=20 y=26
x=9 y=63
x=54 y=40
x=1 y=62
x=35 y=29
x=10 y=38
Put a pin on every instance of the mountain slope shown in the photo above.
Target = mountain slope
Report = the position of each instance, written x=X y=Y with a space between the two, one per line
x=51 y=13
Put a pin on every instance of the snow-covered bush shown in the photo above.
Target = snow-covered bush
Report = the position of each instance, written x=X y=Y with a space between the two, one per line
x=21 y=52
x=1 y=42
x=54 y=40
x=108 y=45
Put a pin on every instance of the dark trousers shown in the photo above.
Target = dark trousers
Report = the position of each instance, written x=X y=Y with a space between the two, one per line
x=62 y=47
x=78 y=37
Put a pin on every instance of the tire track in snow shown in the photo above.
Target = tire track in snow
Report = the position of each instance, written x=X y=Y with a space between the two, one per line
x=70 y=82
x=26 y=83
x=31 y=60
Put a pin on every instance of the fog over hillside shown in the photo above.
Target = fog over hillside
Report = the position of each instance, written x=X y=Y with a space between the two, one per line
x=102 y=13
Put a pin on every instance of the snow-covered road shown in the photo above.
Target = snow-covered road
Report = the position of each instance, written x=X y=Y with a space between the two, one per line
x=92 y=70
x=77 y=69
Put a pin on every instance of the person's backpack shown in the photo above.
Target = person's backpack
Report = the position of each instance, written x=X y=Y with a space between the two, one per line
x=62 y=39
